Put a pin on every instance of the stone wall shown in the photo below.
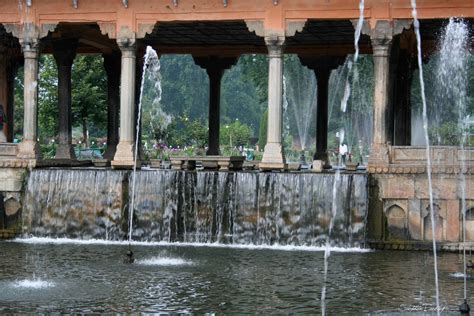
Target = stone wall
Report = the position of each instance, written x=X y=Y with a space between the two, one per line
x=11 y=185
x=399 y=207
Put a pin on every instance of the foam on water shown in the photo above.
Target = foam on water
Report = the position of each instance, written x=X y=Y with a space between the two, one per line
x=164 y=261
x=32 y=284
x=63 y=241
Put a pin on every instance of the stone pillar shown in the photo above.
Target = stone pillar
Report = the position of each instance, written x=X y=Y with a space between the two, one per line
x=322 y=78
x=381 y=56
x=112 y=68
x=28 y=148
x=402 y=74
x=124 y=156
x=11 y=75
x=215 y=76
x=273 y=156
x=215 y=67
x=322 y=67
x=4 y=90
x=64 y=52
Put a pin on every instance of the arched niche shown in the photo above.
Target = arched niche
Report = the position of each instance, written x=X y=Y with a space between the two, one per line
x=397 y=222
x=470 y=224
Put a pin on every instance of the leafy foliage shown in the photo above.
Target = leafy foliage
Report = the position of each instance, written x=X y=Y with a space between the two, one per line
x=235 y=134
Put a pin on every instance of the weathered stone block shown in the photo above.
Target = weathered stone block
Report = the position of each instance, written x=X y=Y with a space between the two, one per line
x=397 y=186
x=318 y=165
x=12 y=206
x=443 y=187
x=11 y=179
x=453 y=229
x=440 y=216
x=414 y=219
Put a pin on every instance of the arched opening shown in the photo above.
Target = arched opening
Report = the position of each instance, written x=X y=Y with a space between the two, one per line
x=397 y=222
x=470 y=224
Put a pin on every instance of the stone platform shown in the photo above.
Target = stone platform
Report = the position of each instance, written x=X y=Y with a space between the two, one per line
x=419 y=246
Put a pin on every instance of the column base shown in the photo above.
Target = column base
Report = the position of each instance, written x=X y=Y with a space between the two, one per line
x=110 y=152
x=269 y=166
x=28 y=149
x=379 y=155
x=65 y=151
x=3 y=138
x=324 y=158
x=273 y=158
x=123 y=158
x=319 y=165
x=213 y=152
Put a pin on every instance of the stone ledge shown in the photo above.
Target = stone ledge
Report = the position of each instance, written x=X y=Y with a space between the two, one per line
x=47 y=163
x=418 y=169
x=17 y=163
x=7 y=234
x=125 y=164
x=222 y=163
x=271 y=166
x=419 y=245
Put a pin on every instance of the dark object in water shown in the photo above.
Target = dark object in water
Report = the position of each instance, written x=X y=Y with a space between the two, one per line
x=464 y=308
x=129 y=259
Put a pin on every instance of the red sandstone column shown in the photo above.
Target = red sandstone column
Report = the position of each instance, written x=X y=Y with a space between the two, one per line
x=381 y=56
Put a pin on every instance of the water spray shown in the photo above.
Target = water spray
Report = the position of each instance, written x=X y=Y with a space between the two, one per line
x=151 y=61
x=416 y=24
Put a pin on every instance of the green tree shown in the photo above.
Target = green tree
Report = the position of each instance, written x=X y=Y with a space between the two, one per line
x=235 y=134
x=89 y=98
x=262 y=134
x=48 y=98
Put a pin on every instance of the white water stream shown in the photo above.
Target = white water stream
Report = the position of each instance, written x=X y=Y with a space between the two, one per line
x=428 y=157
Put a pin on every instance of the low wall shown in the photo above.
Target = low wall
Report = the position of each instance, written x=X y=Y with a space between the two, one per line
x=399 y=207
x=11 y=187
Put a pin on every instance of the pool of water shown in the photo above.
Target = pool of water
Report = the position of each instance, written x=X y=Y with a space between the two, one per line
x=74 y=278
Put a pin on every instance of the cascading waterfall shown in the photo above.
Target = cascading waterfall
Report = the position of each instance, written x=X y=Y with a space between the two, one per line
x=334 y=205
x=452 y=78
x=203 y=207
x=428 y=157
x=152 y=64
x=74 y=203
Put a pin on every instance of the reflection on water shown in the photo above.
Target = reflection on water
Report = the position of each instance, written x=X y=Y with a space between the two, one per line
x=92 y=278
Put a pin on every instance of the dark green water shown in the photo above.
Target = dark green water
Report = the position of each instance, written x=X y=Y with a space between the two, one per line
x=200 y=280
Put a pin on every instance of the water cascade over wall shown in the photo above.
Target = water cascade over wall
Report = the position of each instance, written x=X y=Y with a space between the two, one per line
x=241 y=208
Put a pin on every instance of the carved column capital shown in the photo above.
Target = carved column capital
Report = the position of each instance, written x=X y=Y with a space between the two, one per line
x=382 y=33
x=275 y=46
x=30 y=48
x=64 y=51
x=127 y=46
